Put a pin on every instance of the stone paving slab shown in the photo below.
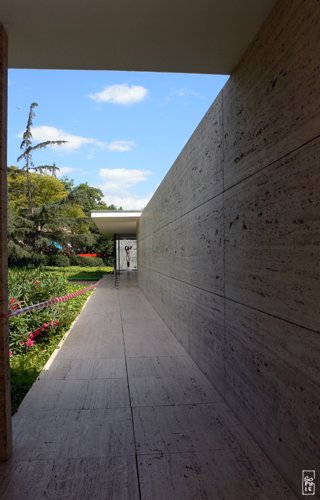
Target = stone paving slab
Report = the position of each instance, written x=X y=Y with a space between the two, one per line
x=107 y=393
x=153 y=346
x=187 y=428
x=101 y=478
x=167 y=381
x=123 y=413
x=221 y=474
x=76 y=348
x=73 y=434
x=73 y=394
x=87 y=368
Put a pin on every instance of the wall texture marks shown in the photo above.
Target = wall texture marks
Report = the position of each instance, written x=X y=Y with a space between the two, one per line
x=5 y=396
x=271 y=104
x=207 y=344
x=272 y=238
x=229 y=243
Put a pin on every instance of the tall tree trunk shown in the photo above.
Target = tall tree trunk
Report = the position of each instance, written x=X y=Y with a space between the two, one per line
x=30 y=202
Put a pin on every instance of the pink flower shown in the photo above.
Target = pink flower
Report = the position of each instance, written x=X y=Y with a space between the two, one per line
x=31 y=336
x=37 y=332
x=13 y=304
x=51 y=323
x=45 y=325
x=30 y=343
x=22 y=343
x=10 y=353
x=57 y=322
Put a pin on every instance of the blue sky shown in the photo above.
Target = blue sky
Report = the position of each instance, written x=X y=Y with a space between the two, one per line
x=124 y=129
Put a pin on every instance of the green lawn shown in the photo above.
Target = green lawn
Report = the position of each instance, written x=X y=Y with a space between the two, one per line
x=78 y=273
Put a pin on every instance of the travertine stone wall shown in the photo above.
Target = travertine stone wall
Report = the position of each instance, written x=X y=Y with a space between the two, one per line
x=5 y=409
x=229 y=244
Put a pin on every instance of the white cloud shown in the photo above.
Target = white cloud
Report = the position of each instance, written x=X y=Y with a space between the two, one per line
x=116 y=183
x=74 y=142
x=122 y=94
x=47 y=133
x=65 y=170
x=120 y=179
x=184 y=92
x=121 y=146
x=128 y=201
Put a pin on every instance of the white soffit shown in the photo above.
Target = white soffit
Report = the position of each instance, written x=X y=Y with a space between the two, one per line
x=193 y=36
x=111 y=222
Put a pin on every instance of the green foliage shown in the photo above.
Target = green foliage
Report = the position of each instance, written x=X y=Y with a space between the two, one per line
x=18 y=255
x=19 y=230
x=89 y=198
x=44 y=210
x=67 y=183
x=73 y=271
x=76 y=260
x=27 y=287
x=28 y=362
x=45 y=189
x=30 y=236
x=26 y=368
x=87 y=276
x=27 y=152
x=59 y=260
x=34 y=285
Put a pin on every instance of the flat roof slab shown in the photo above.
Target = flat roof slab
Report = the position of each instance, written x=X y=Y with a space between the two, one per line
x=198 y=36
x=110 y=222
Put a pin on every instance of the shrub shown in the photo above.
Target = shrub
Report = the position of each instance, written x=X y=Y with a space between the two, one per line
x=73 y=260
x=27 y=287
x=59 y=260
x=18 y=256
x=24 y=256
x=29 y=360
x=76 y=260
x=40 y=259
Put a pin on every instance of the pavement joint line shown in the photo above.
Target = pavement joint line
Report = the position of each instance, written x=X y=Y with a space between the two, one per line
x=58 y=459
x=159 y=356
x=174 y=405
x=85 y=379
x=62 y=411
x=131 y=409
x=169 y=453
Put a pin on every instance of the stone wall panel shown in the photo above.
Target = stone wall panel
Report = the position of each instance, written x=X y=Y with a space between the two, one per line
x=240 y=287
x=207 y=335
x=271 y=103
x=272 y=375
x=272 y=223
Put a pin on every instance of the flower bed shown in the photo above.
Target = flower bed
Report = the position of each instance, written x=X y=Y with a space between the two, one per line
x=34 y=336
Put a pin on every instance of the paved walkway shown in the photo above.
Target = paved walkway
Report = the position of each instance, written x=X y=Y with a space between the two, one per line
x=124 y=413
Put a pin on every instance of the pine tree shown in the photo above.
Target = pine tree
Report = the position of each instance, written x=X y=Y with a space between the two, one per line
x=28 y=149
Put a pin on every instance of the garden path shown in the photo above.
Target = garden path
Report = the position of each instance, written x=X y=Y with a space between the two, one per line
x=123 y=413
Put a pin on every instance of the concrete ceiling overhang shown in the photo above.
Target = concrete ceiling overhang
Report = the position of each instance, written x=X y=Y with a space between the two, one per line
x=194 y=36
x=111 y=222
